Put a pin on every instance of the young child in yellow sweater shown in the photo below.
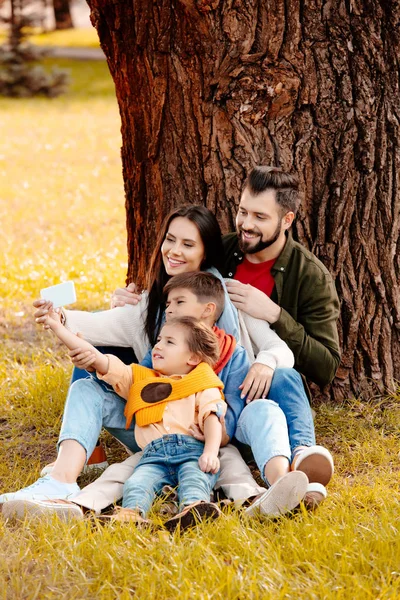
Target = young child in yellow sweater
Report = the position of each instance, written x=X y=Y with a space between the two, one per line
x=180 y=390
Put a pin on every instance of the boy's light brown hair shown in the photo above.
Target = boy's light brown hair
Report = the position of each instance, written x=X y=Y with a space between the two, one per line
x=205 y=286
x=200 y=339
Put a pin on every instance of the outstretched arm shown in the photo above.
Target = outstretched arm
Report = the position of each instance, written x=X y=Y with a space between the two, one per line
x=72 y=341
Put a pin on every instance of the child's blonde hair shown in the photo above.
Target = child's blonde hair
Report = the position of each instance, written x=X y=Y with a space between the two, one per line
x=201 y=340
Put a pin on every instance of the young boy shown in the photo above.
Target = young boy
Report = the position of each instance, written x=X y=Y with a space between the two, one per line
x=180 y=390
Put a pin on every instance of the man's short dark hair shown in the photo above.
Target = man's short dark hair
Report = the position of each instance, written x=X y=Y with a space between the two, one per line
x=205 y=286
x=286 y=186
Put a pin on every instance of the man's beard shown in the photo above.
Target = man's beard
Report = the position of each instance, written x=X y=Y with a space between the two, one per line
x=246 y=246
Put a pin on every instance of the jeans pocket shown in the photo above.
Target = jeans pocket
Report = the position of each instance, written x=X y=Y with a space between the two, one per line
x=148 y=451
x=192 y=445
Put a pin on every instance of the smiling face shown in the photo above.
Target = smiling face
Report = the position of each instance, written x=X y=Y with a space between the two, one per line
x=171 y=354
x=182 y=249
x=259 y=222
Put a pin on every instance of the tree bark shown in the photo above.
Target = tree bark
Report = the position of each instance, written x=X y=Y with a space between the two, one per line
x=208 y=89
x=62 y=14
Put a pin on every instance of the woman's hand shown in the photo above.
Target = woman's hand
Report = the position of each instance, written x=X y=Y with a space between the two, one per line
x=46 y=315
x=209 y=463
x=257 y=382
x=43 y=310
x=127 y=295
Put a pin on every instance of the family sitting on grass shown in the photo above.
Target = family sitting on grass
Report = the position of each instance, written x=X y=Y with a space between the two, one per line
x=219 y=376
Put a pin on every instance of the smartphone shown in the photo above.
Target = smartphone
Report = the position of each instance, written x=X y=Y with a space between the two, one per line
x=60 y=294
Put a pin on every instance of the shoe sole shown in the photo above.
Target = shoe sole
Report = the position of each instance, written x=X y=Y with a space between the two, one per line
x=193 y=517
x=20 y=509
x=282 y=497
x=317 y=467
x=86 y=469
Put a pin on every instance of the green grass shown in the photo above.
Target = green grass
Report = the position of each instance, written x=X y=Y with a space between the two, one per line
x=62 y=216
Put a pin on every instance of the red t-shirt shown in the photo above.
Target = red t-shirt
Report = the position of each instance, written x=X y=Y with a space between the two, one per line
x=257 y=274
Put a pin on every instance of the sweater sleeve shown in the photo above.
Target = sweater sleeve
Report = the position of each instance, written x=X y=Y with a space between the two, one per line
x=122 y=326
x=269 y=348
x=207 y=402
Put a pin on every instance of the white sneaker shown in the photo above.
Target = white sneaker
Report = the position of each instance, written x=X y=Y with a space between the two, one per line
x=282 y=497
x=316 y=462
x=45 y=488
x=64 y=509
x=315 y=495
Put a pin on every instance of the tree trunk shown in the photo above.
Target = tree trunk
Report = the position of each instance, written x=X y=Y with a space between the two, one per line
x=62 y=14
x=208 y=89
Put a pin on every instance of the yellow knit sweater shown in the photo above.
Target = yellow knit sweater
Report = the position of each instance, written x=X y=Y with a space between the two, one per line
x=151 y=391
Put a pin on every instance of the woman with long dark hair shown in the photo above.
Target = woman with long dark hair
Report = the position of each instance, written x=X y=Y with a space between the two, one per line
x=205 y=245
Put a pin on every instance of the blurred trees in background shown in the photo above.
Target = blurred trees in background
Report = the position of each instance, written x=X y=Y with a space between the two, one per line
x=20 y=74
x=62 y=14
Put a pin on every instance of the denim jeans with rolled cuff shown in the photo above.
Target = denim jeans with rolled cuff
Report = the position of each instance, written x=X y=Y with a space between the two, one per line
x=170 y=460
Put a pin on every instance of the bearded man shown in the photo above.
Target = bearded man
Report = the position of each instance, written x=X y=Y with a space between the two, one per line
x=278 y=280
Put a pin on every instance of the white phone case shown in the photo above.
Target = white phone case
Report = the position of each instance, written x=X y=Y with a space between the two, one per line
x=60 y=294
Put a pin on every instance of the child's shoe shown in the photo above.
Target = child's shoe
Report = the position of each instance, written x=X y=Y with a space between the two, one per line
x=316 y=462
x=125 y=515
x=192 y=515
x=45 y=488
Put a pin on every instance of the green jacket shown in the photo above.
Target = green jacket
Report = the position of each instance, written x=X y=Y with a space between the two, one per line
x=305 y=291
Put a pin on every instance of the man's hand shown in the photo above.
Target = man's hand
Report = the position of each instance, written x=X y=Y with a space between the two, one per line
x=196 y=432
x=253 y=302
x=127 y=295
x=209 y=463
x=257 y=382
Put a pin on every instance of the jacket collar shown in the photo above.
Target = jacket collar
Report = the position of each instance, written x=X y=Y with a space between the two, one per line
x=283 y=259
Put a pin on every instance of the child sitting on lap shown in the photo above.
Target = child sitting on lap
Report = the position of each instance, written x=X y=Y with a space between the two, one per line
x=180 y=390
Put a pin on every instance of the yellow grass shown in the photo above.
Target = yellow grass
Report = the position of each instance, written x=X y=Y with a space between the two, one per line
x=85 y=37
x=62 y=217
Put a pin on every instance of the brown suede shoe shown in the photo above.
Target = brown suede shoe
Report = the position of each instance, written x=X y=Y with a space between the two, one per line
x=192 y=515
x=125 y=515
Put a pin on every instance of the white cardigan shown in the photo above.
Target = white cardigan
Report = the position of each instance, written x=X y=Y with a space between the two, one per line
x=124 y=326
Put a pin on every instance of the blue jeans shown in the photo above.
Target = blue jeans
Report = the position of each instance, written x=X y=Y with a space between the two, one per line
x=170 y=460
x=262 y=426
x=92 y=404
x=280 y=424
x=287 y=390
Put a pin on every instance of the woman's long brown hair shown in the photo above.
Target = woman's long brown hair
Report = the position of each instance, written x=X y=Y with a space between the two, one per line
x=210 y=233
